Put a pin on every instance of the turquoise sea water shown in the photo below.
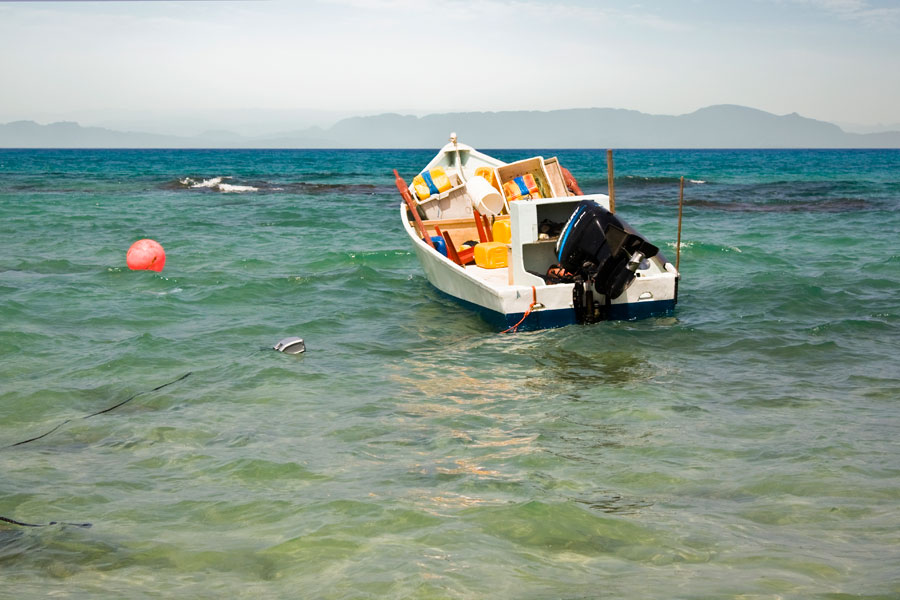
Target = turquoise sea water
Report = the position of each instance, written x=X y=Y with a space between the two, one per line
x=745 y=447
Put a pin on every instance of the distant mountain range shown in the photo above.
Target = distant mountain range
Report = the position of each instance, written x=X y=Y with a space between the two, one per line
x=722 y=126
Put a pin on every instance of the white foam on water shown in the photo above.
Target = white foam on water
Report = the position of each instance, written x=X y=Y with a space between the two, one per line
x=166 y=292
x=208 y=183
x=673 y=245
x=228 y=188
x=218 y=184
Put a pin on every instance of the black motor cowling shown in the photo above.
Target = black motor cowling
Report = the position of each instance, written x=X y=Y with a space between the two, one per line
x=601 y=248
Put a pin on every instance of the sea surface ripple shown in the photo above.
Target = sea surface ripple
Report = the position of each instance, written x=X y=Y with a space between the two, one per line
x=744 y=447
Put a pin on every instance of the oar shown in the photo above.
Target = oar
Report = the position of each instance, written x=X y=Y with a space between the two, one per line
x=407 y=197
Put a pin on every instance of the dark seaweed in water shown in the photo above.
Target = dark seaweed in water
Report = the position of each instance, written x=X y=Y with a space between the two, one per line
x=837 y=205
x=631 y=182
x=233 y=185
x=337 y=188
x=787 y=196
x=770 y=197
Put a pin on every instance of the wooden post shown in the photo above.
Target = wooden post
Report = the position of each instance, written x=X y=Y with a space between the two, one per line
x=678 y=242
x=611 y=176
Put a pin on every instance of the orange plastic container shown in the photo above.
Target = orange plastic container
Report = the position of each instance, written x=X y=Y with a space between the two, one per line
x=521 y=188
x=491 y=255
x=489 y=174
x=501 y=232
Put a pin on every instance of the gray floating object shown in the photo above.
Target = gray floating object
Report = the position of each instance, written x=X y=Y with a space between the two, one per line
x=291 y=345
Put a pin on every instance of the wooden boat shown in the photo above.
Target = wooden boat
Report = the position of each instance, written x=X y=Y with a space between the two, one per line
x=521 y=244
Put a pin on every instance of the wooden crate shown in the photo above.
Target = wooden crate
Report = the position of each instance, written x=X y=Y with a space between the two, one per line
x=534 y=167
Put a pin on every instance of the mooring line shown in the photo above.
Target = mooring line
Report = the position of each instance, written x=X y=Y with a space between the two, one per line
x=23 y=524
x=99 y=412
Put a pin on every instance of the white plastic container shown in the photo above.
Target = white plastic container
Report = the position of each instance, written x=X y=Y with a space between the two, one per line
x=485 y=197
x=454 y=203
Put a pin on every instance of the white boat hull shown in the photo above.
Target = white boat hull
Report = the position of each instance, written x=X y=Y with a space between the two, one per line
x=505 y=305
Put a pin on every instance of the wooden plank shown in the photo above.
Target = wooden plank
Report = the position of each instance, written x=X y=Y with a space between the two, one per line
x=555 y=175
x=488 y=231
x=451 y=247
x=465 y=221
x=479 y=225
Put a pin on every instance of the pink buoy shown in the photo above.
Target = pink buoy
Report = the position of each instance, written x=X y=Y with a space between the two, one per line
x=146 y=255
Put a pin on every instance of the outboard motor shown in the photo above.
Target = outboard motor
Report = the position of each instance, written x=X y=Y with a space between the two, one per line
x=599 y=248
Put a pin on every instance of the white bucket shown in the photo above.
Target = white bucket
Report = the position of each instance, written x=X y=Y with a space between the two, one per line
x=484 y=197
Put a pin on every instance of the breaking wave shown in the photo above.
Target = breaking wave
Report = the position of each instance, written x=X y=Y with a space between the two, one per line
x=217 y=184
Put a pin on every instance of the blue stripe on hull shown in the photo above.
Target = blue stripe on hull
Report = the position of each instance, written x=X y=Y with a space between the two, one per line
x=541 y=319
x=641 y=310
x=551 y=319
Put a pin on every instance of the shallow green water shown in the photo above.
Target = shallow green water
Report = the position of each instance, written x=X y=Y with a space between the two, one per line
x=744 y=447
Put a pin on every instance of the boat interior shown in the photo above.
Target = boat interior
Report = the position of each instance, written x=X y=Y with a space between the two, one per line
x=461 y=204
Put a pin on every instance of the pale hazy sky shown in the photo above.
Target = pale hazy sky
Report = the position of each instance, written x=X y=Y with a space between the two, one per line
x=835 y=60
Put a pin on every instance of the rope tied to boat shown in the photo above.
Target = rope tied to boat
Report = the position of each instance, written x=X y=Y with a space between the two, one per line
x=531 y=306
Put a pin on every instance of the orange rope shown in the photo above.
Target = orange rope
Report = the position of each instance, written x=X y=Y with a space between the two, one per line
x=515 y=327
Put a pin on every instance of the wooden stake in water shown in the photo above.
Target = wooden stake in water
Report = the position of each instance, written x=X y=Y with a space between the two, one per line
x=610 y=175
x=678 y=243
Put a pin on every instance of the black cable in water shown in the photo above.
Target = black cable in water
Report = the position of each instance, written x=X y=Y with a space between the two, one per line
x=106 y=410
x=21 y=524
x=99 y=412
